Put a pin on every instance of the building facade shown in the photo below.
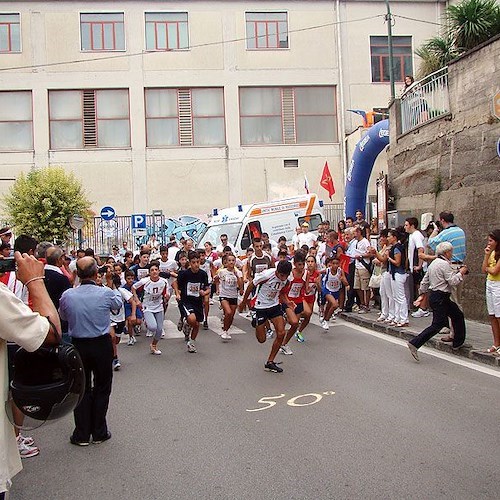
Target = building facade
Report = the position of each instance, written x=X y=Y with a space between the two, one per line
x=187 y=106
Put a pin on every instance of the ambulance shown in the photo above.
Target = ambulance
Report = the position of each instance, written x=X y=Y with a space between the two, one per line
x=276 y=218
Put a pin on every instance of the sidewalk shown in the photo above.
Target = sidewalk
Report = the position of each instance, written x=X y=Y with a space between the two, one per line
x=478 y=339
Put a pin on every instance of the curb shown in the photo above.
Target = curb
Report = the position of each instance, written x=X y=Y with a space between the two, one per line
x=467 y=351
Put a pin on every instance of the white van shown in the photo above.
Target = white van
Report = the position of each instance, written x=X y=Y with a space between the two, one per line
x=276 y=218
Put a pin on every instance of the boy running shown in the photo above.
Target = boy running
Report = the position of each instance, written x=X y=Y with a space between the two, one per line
x=269 y=286
x=332 y=283
x=191 y=287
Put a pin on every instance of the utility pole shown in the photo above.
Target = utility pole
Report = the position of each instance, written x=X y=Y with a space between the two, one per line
x=388 y=18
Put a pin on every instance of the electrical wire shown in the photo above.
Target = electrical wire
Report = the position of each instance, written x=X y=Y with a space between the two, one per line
x=207 y=44
x=417 y=20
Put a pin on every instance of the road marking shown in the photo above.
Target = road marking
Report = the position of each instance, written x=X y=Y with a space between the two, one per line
x=426 y=350
x=268 y=400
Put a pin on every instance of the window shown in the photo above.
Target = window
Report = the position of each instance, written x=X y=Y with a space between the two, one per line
x=313 y=220
x=167 y=31
x=288 y=115
x=16 y=121
x=402 y=54
x=10 y=33
x=267 y=30
x=185 y=117
x=89 y=119
x=102 y=31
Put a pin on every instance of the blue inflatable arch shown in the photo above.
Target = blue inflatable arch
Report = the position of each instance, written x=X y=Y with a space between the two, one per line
x=361 y=166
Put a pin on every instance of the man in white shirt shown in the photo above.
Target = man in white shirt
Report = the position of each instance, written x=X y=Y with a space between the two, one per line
x=415 y=264
x=305 y=237
x=29 y=329
x=362 y=273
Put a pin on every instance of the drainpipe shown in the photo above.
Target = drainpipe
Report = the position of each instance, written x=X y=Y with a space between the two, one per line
x=341 y=103
x=388 y=18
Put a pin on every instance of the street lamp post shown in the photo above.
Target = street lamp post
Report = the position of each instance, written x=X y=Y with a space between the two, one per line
x=388 y=18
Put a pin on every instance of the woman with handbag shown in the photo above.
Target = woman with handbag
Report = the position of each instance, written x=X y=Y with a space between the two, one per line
x=397 y=270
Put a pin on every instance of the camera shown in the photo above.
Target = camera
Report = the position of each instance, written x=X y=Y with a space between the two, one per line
x=7 y=265
x=467 y=270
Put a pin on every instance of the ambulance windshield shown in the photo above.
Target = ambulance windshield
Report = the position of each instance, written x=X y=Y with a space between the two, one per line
x=212 y=234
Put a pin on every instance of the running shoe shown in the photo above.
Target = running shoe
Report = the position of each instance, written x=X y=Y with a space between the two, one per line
x=28 y=440
x=191 y=347
x=137 y=330
x=25 y=450
x=116 y=364
x=413 y=351
x=132 y=340
x=325 y=325
x=420 y=313
x=269 y=333
x=205 y=325
x=180 y=324
x=271 y=366
x=225 y=336
x=154 y=350
x=300 y=337
x=149 y=334
x=284 y=349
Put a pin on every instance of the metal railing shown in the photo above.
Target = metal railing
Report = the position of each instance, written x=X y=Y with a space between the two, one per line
x=425 y=100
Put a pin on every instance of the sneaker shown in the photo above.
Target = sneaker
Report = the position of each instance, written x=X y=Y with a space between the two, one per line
x=355 y=308
x=28 y=440
x=180 y=324
x=300 y=337
x=154 y=350
x=325 y=325
x=271 y=366
x=225 y=336
x=269 y=333
x=205 y=325
x=381 y=318
x=413 y=351
x=101 y=440
x=191 y=347
x=26 y=450
x=116 y=364
x=363 y=310
x=132 y=340
x=333 y=318
x=149 y=334
x=284 y=349
x=137 y=330
x=420 y=313
x=72 y=440
x=186 y=330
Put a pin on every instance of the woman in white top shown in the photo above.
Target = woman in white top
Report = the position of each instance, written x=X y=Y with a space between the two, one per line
x=230 y=282
x=155 y=293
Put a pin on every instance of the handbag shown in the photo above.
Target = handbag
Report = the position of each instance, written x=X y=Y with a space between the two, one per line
x=376 y=277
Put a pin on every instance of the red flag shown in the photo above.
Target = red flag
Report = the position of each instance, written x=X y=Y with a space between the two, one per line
x=327 y=181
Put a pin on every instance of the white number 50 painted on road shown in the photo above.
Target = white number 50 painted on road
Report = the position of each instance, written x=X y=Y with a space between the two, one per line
x=268 y=400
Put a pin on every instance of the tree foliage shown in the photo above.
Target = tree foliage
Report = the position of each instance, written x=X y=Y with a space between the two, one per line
x=41 y=202
x=467 y=24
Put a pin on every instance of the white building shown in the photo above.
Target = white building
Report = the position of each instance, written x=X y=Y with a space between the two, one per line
x=188 y=105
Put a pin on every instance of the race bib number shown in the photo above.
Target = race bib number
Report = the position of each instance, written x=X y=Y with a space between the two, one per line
x=260 y=267
x=272 y=294
x=193 y=289
x=142 y=273
x=295 y=290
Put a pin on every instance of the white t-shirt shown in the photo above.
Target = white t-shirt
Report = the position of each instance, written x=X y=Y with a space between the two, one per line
x=361 y=248
x=268 y=287
x=168 y=266
x=228 y=284
x=172 y=252
x=220 y=248
x=307 y=239
x=206 y=266
x=120 y=315
x=217 y=263
x=415 y=241
x=154 y=291
x=28 y=329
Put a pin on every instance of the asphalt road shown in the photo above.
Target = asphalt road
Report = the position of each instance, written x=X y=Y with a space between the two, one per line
x=369 y=423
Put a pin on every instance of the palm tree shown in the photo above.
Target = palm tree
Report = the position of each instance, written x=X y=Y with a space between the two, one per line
x=473 y=22
x=435 y=53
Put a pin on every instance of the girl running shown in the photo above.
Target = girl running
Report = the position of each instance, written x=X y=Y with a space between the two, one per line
x=313 y=279
x=230 y=282
x=332 y=282
x=155 y=293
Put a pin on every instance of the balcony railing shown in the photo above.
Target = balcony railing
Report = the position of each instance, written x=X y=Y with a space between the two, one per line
x=425 y=100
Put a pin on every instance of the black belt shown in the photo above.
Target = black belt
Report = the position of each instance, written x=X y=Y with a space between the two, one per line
x=457 y=262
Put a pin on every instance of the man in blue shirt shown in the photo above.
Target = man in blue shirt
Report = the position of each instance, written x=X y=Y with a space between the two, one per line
x=451 y=233
x=87 y=311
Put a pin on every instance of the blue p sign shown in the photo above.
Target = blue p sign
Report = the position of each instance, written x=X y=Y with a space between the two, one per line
x=139 y=221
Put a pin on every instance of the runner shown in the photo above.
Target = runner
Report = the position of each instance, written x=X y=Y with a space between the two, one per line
x=270 y=286
x=313 y=278
x=133 y=313
x=155 y=293
x=206 y=265
x=191 y=286
x=230 y=282
x=332 y=282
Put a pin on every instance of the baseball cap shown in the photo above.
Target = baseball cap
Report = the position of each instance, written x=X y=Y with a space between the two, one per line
x=5 y=231
x=305 y=224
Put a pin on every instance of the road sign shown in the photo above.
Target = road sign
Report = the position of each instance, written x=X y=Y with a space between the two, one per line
x=108 y=213
x=139 y=232
x=496 y=105
x=138 y=221
x=76 y=221
x=109 y=228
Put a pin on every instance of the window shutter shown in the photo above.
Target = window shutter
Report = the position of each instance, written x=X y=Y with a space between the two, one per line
x=288 y=113
x=89 y=119
x=185 y=117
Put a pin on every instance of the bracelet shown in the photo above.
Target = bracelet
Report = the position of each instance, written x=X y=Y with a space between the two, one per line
x=34 y=279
